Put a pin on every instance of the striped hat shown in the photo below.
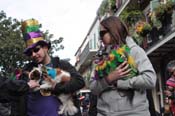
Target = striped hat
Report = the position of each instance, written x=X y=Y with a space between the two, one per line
x=32 y=35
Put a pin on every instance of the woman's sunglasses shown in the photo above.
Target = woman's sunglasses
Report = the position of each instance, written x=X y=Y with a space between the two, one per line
x=35 y=50
x=102 y=33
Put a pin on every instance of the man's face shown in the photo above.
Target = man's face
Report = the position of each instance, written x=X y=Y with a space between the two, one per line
x=38 y=53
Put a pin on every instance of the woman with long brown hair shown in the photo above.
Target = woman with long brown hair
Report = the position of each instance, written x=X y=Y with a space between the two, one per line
x=121 y=77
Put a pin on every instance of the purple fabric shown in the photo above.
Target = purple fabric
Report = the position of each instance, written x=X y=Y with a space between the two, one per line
x=31 y=35
x=33 y=45
x=39 y=105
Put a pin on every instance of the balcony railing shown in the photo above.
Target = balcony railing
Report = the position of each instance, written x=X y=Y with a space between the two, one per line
x=86 y=55
x=158 y=35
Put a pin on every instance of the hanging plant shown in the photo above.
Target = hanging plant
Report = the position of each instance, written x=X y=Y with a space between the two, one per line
x=107 y=6
x=103 y=7
x=159 y=12
x=163 y=9
x=153 y=20
x=131 y=16
x=137 y=38
x=142 y=28
x=169 y=7
x=113 y=7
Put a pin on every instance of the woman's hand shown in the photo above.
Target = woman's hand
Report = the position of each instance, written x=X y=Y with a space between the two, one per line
x=121 y=71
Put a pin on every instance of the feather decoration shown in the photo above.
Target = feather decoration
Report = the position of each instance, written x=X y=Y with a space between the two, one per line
x=109 y=63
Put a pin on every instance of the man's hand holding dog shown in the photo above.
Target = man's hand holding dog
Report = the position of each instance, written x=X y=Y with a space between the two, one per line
x=33 y=84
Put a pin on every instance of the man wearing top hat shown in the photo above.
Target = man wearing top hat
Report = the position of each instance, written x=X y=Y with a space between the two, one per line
x=33 y=103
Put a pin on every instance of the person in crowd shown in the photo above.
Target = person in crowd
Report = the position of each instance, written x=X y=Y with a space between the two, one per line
x=123 y=73
x=170 y=89
x=85 y=105
x=33 y=103
x=9 y=88
x=93 y=105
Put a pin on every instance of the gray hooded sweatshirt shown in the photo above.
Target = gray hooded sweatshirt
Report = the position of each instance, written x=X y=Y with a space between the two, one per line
x=128 y=98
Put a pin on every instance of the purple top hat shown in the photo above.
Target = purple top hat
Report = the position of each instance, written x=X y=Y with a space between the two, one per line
x=32 y=35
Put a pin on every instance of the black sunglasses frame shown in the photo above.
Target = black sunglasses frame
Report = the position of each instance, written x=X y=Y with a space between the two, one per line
x=102 y=33
x=35 y=50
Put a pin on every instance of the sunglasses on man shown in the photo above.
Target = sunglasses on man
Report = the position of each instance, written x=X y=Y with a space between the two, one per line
x=35 y=50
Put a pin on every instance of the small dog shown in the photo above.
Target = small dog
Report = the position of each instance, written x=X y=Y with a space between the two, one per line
x=58 y=76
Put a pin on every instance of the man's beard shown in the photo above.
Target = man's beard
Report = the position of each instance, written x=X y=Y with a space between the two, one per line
x=37 y=61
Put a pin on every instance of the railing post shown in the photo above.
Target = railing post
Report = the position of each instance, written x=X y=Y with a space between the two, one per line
x=173 y=20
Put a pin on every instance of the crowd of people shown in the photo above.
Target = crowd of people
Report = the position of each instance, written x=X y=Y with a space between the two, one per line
x=170 y=90
x=119 y=88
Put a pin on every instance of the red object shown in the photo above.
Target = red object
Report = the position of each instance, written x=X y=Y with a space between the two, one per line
x=173 y=108
x=81 y=97
x=171 y=81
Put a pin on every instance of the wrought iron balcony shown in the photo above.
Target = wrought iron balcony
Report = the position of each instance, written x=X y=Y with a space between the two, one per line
x=163 y=41
x=86 y=57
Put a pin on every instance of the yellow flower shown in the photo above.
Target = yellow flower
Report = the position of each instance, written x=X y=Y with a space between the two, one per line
x=111 y=57
x=120 y=51
x=96 y=68
x=101 y=65
x=131 y=61
x=139 y=26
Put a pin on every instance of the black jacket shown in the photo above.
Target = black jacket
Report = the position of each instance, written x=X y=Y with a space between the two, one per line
x=9 y=91
x=76 y=83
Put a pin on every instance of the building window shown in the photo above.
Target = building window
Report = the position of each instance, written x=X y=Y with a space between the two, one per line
x=90 y=44
x=95 y=45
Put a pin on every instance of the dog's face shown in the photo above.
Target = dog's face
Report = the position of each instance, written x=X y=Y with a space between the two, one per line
x=35 y=74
